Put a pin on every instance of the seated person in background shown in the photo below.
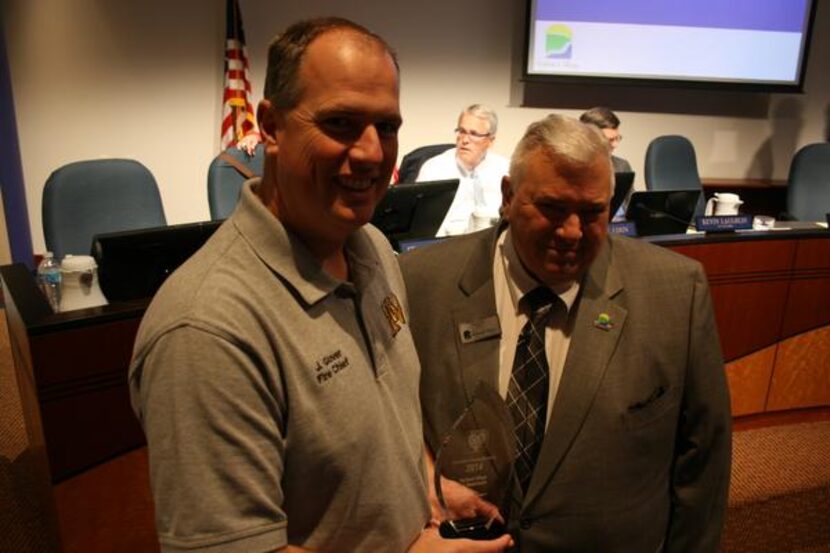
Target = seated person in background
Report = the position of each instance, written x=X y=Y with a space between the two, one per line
x=609 y=124
x=479 y=171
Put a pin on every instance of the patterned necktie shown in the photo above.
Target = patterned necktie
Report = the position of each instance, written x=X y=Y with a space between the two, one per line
x=527 y=393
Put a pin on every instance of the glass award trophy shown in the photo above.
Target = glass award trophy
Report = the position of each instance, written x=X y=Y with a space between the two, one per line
x=478 y=453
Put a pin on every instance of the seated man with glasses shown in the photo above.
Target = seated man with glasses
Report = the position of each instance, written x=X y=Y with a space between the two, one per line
x=607 y=121
x=477 y=201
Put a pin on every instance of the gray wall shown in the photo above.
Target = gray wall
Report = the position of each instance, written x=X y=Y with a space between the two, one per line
x=108 y=78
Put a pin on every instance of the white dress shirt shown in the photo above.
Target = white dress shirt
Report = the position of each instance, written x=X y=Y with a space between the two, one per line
x=512 y=282
x=479 y=190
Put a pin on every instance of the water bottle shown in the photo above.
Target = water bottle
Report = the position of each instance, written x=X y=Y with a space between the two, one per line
x=49 y=280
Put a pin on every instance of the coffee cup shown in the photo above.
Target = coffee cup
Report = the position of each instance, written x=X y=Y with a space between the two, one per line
x=80 y=283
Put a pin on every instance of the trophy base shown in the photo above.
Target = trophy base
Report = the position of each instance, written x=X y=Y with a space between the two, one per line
x=479 y=528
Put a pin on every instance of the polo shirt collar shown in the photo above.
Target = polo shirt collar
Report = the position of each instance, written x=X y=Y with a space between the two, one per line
x=285 y=254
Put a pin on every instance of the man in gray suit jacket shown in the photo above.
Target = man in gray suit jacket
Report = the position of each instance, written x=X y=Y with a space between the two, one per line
x=636 y=449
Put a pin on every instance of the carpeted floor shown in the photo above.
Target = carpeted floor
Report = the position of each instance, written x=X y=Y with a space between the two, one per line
x=779 y=499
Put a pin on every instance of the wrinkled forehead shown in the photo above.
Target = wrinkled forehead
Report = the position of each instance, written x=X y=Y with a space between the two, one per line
x=474 y=123
x=549 y=170
x=340 y=48
x=341 y=43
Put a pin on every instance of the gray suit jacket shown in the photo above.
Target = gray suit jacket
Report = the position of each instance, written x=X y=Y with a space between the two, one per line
x=637 y=452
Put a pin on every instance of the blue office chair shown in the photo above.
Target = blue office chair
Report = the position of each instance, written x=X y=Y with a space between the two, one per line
x=226 y=174
x=411 y=162
x=86 y=198
x=671 y=164
x=808 y=185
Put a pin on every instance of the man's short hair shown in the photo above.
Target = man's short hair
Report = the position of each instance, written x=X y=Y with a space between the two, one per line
x=600 y=117
x=282 y=83
x=565 y=141
x=484 y=112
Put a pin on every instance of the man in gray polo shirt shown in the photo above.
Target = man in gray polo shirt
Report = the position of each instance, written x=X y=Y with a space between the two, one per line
x=274 y=373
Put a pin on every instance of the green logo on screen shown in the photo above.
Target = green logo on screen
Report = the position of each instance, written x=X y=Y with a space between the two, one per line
x=558 y=41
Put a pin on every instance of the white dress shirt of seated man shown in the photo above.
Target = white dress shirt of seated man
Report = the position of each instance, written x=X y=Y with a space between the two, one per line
x=479 y=170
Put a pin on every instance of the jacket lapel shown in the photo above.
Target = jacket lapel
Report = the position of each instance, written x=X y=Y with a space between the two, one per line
x=475 y=320
x=592 y=344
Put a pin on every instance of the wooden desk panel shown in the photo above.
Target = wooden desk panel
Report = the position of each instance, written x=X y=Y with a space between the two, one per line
x=77 y=357
x=748 y=315
x=812 y=253
x=802 y=372
x=771 y=294
x=749 y=283
x=85 y=428
x=72 y=373
x=741 y=260
x=749 y=381
x=808 y=306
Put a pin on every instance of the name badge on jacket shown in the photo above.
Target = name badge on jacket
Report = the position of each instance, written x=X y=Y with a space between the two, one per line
x=480 y=330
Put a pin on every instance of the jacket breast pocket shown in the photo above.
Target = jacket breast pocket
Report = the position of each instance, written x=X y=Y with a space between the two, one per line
x=658 y=405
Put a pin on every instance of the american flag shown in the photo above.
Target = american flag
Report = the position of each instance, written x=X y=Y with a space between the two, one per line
x=237 y=111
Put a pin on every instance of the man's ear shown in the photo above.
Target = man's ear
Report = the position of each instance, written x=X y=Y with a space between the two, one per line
x=506 y=196
x=268 y=120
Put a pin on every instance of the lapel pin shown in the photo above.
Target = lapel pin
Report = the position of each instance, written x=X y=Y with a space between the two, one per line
x=603 y=322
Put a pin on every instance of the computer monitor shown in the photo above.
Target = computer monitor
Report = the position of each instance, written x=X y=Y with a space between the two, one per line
x=133 y=264
x=413 y=211
x=662 y=211
x=623 y=181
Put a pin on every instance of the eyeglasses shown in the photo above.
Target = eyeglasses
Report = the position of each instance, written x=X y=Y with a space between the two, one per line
x=474 y=136
x=615 y=139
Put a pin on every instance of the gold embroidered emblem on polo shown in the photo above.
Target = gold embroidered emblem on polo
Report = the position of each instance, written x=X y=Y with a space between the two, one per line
x=393 y=312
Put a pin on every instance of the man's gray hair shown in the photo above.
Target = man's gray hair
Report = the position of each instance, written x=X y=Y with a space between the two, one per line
x=566 y=141
x=484 y=112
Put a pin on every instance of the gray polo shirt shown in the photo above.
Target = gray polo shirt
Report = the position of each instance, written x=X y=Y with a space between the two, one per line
x=280 y=404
